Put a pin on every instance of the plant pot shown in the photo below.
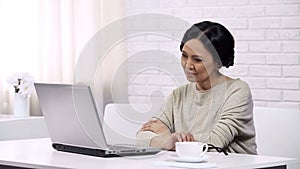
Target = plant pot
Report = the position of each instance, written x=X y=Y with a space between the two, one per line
x=21 y=105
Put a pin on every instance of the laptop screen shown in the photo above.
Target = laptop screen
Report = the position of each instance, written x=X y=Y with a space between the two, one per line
x=71 y=115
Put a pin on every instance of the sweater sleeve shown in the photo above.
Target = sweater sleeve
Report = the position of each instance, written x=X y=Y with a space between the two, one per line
x=236 y=119
x=144 y=138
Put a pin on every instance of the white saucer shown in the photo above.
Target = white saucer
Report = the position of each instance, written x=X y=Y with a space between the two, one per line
x=188 y=159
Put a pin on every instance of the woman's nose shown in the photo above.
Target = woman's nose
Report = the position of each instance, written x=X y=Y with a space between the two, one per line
x=189 y=64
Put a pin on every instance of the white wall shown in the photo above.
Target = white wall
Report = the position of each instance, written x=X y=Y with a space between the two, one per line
x=267 y=34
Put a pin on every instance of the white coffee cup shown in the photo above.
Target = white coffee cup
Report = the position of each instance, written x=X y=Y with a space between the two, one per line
x=191 y=149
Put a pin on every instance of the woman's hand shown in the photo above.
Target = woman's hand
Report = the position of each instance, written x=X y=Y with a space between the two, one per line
x=156 y=126
x=167 y=142
x=165 y=138
x=181 y=137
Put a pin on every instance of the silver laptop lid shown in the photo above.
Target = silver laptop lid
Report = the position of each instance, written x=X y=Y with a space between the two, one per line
x=71 y=115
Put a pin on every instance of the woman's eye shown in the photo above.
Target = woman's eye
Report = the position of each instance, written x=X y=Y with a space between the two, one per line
x=197 y=60
x=184 y=56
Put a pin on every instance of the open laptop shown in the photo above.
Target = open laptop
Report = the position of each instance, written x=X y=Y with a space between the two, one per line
x=75 y=125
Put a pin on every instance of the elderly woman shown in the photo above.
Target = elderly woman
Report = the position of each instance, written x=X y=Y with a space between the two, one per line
x=212 y=108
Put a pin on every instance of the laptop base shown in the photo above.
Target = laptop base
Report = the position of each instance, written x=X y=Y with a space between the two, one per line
x=82 y=150
x=94 y=152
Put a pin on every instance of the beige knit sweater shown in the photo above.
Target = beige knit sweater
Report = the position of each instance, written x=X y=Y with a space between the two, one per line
x=222 y=116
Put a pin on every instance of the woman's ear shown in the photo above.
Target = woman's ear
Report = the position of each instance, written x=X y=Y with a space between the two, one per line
x=218 y=65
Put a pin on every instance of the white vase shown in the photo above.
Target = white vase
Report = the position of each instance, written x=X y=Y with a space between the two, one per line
x=21 y=105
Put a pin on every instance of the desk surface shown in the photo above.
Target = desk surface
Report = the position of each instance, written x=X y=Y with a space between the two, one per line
x=5 y=117
x=38 y=153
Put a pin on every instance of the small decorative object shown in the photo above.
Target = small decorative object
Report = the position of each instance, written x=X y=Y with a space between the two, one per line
x=23 y=86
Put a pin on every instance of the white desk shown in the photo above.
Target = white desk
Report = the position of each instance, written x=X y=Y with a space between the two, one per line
x=38 y=153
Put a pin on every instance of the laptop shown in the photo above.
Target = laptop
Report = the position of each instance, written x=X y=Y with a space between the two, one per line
x=75 y=124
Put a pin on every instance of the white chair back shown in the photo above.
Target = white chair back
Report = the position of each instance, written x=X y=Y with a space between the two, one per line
x=278 y=132
x=123 y=121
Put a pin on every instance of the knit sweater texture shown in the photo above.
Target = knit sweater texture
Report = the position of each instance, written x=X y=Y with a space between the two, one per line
x=222 y=116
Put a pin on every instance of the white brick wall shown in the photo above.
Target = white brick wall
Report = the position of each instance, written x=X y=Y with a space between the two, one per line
x=265 y=71
x=264 y=23
x=283 y=34
x=286 y=83
x=291 y=71
x=281 y=59
x=267 y=94
x=265 y=46
x=282 y=10
x=267 y=34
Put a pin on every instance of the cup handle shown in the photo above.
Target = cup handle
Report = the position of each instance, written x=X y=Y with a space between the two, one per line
x=205 y=150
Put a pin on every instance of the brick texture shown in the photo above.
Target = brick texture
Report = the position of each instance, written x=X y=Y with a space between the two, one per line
x=267 y=34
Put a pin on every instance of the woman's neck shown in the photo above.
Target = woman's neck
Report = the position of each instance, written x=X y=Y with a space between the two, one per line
x=213 y=80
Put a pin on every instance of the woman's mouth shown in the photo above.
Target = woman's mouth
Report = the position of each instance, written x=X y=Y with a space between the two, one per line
x=190 y=74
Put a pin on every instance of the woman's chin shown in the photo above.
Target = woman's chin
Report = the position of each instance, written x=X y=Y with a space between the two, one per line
x=191 y=79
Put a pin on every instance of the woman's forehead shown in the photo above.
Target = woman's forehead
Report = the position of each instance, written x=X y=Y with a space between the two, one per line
x=195 y=47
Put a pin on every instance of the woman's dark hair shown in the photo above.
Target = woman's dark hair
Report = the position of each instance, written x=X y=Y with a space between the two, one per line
x=216 y=39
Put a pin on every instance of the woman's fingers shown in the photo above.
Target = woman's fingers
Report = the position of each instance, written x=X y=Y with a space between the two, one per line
x=183 y=137
x=147 y=125
x=190 y=137
x=180 y=137
x=170 y=140
x=155 y=126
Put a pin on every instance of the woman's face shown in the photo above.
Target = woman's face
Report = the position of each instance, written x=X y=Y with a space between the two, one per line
x=197 y=62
